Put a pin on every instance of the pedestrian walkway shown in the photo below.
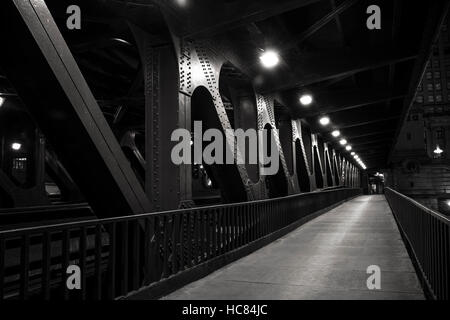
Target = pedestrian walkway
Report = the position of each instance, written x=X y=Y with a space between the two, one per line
x=326 y=258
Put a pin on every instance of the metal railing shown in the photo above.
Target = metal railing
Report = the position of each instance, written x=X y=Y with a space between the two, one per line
x=427 y=234
x=121 y=255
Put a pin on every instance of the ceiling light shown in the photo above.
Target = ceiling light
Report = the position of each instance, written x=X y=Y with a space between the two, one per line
x=269 y=59
x=336 y=133
x=306 y=99
x=181 y=3
x=348 y=148
x=324 y=121
x=16 y=146
x=2 y=100
x=343 y=142
x=353 y=153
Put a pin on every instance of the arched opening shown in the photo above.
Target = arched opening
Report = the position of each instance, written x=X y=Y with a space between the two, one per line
x=215 y=183
x=302 y=171
x=284 y=125
x=337 y=179
x=328 y=170
x=345 y=173
x=307 y=144
x=321 y=149
x=317 y=170
x=276 y=183
x=239 y=99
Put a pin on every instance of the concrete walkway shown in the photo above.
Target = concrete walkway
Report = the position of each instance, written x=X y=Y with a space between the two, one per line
x=326 y=258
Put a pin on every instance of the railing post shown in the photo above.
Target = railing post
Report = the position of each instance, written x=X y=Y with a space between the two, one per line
x=98 y=262
x=2 y=266
x=24 y=266
x=46 y=263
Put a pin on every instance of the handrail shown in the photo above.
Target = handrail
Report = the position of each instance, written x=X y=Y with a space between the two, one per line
x=436 y=214
x=118 y=256
x=87 y=222
x=427 y=236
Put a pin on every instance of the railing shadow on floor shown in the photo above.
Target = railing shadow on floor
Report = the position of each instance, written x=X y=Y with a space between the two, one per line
x=147 y=255
x=426 y=235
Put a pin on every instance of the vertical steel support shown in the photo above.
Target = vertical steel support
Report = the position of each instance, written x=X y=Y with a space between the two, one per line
x=164 y=180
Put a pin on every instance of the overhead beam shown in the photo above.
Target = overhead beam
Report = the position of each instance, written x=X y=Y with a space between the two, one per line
x=394 y=35
x=364 y=123
x=330 y=64
x=375 y=157
x=338 y=102
x=296 y=40
x=212 y=17
x=373 y=149
x=368 y=142
x=372 y=137
x=364 y=135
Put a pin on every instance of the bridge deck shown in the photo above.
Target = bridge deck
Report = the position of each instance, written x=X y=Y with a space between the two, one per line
x=325 y=258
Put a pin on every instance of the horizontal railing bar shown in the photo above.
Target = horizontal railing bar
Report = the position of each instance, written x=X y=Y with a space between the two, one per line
x=435 y=214
x=93 y=222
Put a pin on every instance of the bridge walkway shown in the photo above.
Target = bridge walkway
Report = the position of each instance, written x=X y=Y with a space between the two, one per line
x=326 y=258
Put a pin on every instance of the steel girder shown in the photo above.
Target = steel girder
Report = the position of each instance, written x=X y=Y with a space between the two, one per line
x=47 y=78
x=167 y=185
x=70 y=117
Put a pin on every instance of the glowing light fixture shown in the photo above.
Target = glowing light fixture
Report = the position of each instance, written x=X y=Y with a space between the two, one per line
x=2 y=100
x=181 y=3
x=269 y=59
x=16 y=146
x=438 y=150
x=336 y=133
x=348 y=148
x=353 y=153
x=343 y=142
x=306 y=99
x=448 y=203
x=324 y=121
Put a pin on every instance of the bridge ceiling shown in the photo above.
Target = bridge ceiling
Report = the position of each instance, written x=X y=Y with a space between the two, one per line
x=364 y=80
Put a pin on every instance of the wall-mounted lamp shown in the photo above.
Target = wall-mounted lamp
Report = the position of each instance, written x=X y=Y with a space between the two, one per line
x=16 y=146
x=438 y=150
